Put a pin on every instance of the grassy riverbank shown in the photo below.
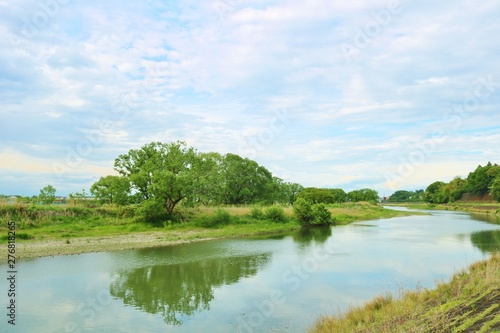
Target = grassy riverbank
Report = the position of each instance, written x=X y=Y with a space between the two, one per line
x=469 y=303
x=490 y=208
x=52 y=230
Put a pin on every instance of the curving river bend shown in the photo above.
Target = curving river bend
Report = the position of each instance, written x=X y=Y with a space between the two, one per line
x=275 y=284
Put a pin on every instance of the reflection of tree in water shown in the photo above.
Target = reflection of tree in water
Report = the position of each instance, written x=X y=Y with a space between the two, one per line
x=486 y=241
x=315 y=233
x=183 y=288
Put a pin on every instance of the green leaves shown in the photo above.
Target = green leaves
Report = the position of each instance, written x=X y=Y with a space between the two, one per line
x=307 y=214
x=112 y=190
x=169 y=173
x=160 y=171
x=495 y=188
x=364 y=194
x=47 y=195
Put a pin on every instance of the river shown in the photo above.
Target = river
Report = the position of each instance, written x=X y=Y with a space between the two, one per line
x=274 y=284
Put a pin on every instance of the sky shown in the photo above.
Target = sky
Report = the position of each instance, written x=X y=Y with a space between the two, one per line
x=375 y=94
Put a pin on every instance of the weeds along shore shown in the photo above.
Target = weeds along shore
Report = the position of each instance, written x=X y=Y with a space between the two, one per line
x=468 y=303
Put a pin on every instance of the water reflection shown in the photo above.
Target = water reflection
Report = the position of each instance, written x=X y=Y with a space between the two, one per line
x=181 y=289
x=495 y=219
x=306 y=235
x=486 y=241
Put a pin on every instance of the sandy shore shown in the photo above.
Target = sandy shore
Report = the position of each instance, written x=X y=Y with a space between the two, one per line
x=45 y=248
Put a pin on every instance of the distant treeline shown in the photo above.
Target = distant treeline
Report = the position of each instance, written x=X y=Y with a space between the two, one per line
x=481 y=182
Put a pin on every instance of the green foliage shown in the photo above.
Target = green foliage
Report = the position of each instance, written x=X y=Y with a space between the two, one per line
x=112 y=190
x=321 y=215
x=480 y=181
x=315 y=195
x=284 y=192
x=364 y=194
x=303 y=211
x=495 y=188
x=245 y=181
x=257 y=213
x=220 y=218
x=173 y=172
x=47 y=195
x=434 y=194
x=407 y=196
x=163 y=171
x=152 y=211
x=307 y=214
x=339 y=195
x=275 y=214
x=208 y=168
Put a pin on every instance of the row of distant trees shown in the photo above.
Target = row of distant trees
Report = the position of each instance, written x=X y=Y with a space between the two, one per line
x=47 y=196
x=480 y=182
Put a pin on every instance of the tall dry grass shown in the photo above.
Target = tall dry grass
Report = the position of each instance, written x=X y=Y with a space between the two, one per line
x=468 y=303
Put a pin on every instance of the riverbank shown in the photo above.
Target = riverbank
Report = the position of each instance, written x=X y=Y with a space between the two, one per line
x=73 y=230
x=469 y=303
x=489 y=208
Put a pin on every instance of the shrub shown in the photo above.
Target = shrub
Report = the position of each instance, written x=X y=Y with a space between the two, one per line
x=152 y=211
x=275 y=214
x=221 y=217
x=303 y=211
x=257 y=213
x=321 y=215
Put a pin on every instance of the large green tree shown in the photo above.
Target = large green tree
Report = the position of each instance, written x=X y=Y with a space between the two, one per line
x=434 y=193
x=495 y=188
x=480 y=180
x=291 y=191
x=339 y=195
x=47 y=195
x=209 y=188
x=245 y=181
x=112 y=189
x=160 y=172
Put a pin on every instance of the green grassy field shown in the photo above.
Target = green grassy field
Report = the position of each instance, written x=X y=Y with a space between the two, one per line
x=469 y=303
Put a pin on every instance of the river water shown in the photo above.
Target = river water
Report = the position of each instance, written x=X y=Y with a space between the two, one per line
x=275 y=284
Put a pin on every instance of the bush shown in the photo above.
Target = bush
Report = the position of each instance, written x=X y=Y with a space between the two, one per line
x=316 y=214
x=321 y=214
x=275 y=214
x=257 y=213
x=152 y=211
x=221 y=217
x=303 y=211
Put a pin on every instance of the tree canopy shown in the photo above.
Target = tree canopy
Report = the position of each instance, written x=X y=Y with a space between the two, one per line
x=158 y=176
x=47 y=195
x=483 y=180
x=112 y=189
x=364 y=194
x=161 y=172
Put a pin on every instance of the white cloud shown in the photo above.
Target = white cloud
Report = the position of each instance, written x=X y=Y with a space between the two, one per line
x=190 y=71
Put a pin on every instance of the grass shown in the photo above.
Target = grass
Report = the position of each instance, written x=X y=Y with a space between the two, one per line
x=350 y=212
x=67 y=221
x=468 y=303
x=466 y=206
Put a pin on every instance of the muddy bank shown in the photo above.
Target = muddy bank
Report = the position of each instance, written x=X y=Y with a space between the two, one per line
x=44 y=248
